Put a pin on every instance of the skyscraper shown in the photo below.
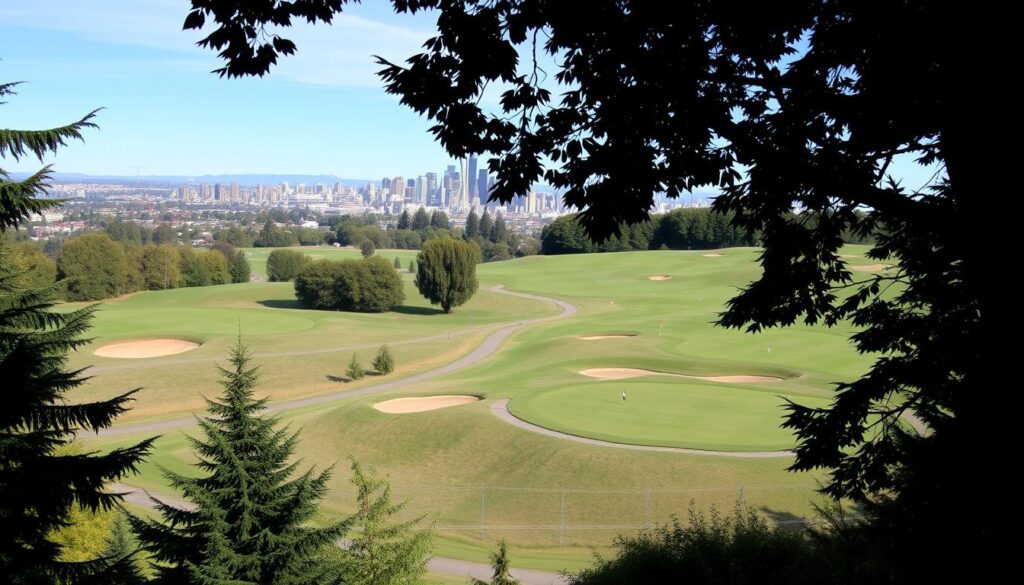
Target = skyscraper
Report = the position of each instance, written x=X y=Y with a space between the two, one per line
x=433 y=197
x=464 y=186
x=471 y=178
x=481 y=186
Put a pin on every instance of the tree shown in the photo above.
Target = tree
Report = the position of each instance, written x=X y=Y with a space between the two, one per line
x=367 y=248
x=164 y=234
x=472 y=226
x=383 y=552
x=501 y=566
x=94 y=266
x=369 y=285
x=412 y=267
x=284 y=265
x=439 y=220
x=499 y=232
x=239 y=267
x=42 y=483
x=194 y=271
x=161 y=267
x=384 y=361
x=355 y=370
x=20 y=200
x=398 y=263
x=807 y=107
x=420 y=220
x=403 y=220
x=315 y=285
x=215 y=267
x=250 y=521
x=382 y=288
x=34 y=268
x=486 y=225
x=446 y=272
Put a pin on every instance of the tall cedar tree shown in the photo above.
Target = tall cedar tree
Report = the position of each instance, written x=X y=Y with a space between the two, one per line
x=383 y=552
x=39 y=481
x=806 y=105
x=446 y=272
x=403 y=220
x=472 y=226
x=249 y=520
x=486 y=225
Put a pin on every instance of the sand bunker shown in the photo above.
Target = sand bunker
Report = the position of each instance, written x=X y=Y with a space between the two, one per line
x=713 y=255
x=659 y=277
x=869 y=267
x=609 y=336
x=623 y=373
x=145 y=348
x=422 y=403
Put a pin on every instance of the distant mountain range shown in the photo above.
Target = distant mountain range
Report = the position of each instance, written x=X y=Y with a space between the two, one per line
x=246 y=179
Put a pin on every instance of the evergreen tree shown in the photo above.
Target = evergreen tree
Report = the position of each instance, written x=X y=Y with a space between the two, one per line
x=40 y=485
x=249 y=521
x=472 y=226
x=398 y=263
x=499 y=232
x=239 y=266
x=486 y=225
x=446 y=272
x=383 y=553
x=384 y=362
x=121 y=548
x=404 y=220
x=501 y=566
x=439 y=220
x=420 y=220
x=412 y=267
x=354 y=370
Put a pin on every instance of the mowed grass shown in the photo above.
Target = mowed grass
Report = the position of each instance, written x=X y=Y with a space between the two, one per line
x=664 y=412
x=554 y=499
x=258 y=256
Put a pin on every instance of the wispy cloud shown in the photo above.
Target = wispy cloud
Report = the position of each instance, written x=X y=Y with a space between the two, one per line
x=337 y=55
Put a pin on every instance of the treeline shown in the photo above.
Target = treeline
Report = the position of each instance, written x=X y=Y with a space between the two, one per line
x=682 y=229
x=93 y=266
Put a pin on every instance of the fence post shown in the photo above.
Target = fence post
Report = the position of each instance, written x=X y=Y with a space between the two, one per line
x=561 y=522
x=483 y=510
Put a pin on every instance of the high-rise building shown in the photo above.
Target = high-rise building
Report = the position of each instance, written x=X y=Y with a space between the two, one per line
x=464 y=186
x=398 y=188
x=433 y=197
x=470 y=176
x=234 y=193
x=481 y=186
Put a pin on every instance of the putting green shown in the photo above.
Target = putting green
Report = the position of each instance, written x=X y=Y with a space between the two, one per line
x=665 y=413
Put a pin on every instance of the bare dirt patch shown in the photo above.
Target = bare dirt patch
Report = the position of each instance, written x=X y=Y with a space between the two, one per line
x=608 y=336
x=659 y=277
x=869 y=267
x=145 y=348
x=422 y=403
x=713 y=255
x=623 y=373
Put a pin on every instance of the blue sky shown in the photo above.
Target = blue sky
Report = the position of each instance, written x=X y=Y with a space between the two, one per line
x=321 y=111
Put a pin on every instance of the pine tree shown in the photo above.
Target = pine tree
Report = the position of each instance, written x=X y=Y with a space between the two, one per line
x=249 y=520
x=383 y=553
x=500 y=563
x=384 y=362
x=40 y=483
x=412 y=267
x=355 y=370
x=403 y=220
x=398 y=263
x=486 y=225
x=472 y=226
x=420 y=219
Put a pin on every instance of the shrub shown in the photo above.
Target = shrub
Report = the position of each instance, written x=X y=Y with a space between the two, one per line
x=384 y=362
x=355 y=370
x=285 y=265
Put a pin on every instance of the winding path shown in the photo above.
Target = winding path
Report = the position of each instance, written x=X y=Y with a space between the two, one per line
x=499 y=408
x=146 y=499
x=490 y=345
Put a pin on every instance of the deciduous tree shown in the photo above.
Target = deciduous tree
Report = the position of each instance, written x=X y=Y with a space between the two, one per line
x=446 y=272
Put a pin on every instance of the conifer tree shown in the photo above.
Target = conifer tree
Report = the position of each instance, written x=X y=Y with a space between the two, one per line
x=472 y=226
x=398 y=263
x=501 y=566
x=403 y=220
x=383 y=552
x=355 y=370
x=384 y=362
x=412 y=267
x=486 y=225
x=40 y=482
x=249 y=520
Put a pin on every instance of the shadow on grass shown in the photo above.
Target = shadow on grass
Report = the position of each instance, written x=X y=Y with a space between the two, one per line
x=280 y=303
x=338 y=379
x=408 y=310
x=784 y=520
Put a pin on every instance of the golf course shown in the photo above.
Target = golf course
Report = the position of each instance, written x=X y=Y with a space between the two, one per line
x=572 y=399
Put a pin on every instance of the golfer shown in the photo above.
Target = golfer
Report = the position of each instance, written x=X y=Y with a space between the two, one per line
x=623 y=395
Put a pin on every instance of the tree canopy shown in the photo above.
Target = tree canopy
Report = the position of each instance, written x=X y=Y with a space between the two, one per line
x=446 y=272
x=807 y=105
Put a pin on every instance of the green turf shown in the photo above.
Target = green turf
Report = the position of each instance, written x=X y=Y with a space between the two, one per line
x=258 y=256
x=551 y=498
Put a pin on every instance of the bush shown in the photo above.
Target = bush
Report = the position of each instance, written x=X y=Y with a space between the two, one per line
x=398 y=263
x=367 y=248
x=384 y=362
x=314 y=286
x=285 y=265
x=368 y=285
x=382 y=289
x=354 y=371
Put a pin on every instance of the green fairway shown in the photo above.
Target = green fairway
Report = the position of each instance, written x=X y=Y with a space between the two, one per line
x=258 y=256
x=664 y=412
x=479 y=478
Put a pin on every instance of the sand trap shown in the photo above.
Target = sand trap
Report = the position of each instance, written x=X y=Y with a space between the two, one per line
x=422 y=403
x=623 y=373
x=659 y=277
x=613 y=336
x=713 y=255
x=869 y=267
x=145 y=348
